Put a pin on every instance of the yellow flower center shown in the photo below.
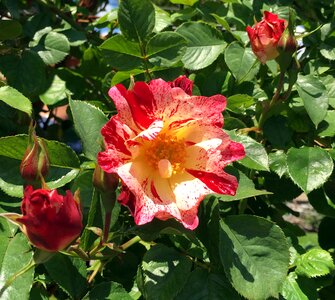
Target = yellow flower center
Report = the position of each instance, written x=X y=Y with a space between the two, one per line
x=166 y=154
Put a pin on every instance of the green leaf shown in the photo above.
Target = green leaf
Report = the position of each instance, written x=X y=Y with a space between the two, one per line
x=184 y=2
x=241 y=61
x=224 y=23
x=164 y=273
x=252 y=250
x=108 y=291
x=209 y=216
x=15 y=99
x=239 y=103
x=73 y=281
x=255 y=154
x=245 y=189
x=121 y=53
x=56 y=48
x=88 y=121
x=55 y=93
x=205 y=44
x=125 y=75
x=295 y=288
x=203 y=285
x=75 y=38
x=328 y=128
x=18 y=254
x=26 y=72
x=165 y=49
x=314 y=263
x=9 y=29
x=5 y=235
x=64 y=164
x=162 y=19
x=327 y=51
x=136 y=19
x=314 y=94
x=309 y=167
x=277 y=161
x=94 y=219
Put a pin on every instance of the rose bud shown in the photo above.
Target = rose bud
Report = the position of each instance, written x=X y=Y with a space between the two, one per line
x=49 y=220
x=105 y=182
x=265 y=35
x=287 y=42
x=35 y=162
x=184 y=83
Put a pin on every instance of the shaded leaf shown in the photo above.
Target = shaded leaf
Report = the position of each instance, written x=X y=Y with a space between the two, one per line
x=73 y=281
x=252 y=250
x=246 y=188
x=202 y=285
x=122 y=54
x=9 y=29
x=165 y=49
x=136 y=19
x=298 y=288
x=108 y=291
x=26 y=72
x=164 y=273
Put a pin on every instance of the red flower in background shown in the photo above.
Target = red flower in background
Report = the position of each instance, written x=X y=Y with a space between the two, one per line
x=169 y=149
x=50 y=221
x=264 y=36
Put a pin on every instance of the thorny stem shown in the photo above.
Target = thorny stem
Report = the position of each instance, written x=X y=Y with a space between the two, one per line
x=145 y=59
x=108 y=217
x=98 y=264
x=274 y=100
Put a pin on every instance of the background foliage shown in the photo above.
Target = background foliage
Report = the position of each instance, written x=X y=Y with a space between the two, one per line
x=56 y=53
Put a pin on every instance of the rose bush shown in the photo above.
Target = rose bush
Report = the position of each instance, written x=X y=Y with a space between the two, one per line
x=169 y=149
x=185 y=193
x=265 y=35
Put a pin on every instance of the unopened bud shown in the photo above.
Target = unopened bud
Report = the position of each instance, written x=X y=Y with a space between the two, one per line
x=287 y=43
x=104 y=182
x=35 y=163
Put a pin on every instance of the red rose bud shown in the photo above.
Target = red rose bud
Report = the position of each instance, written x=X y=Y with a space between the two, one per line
x=35 y=162
x=105 y=182
x=265 y=35
x=287 y=46
x=287 y=42
x=50 y=221
x=184 y=83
